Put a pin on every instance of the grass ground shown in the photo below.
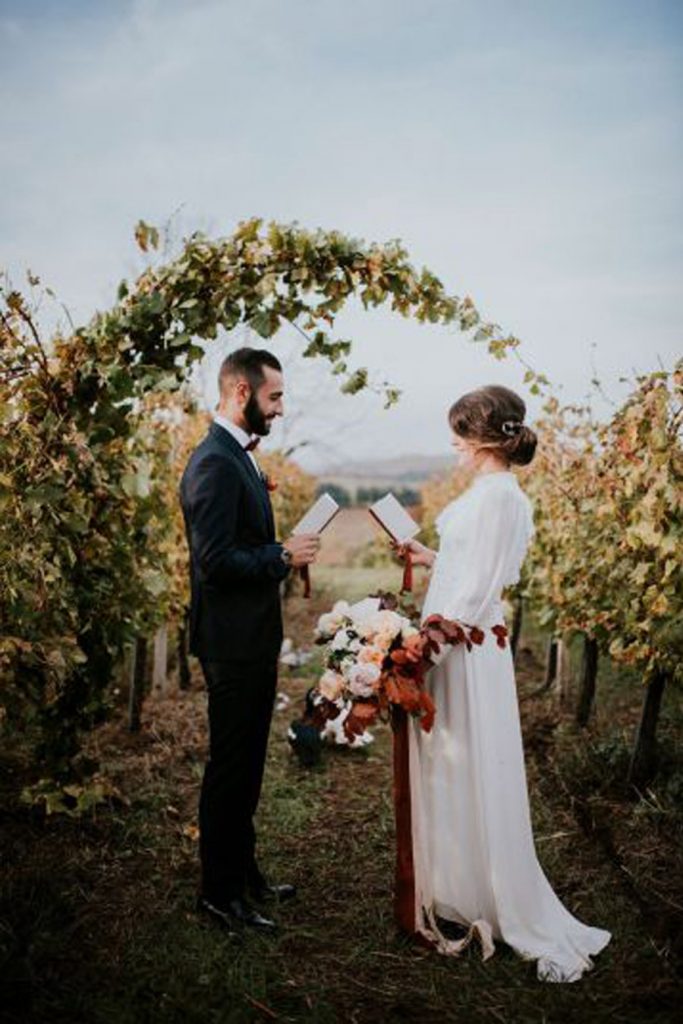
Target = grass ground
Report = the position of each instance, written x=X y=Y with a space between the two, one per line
x=97 y=923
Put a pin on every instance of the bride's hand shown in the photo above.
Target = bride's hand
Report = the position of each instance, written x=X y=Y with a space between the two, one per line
x=420 y=554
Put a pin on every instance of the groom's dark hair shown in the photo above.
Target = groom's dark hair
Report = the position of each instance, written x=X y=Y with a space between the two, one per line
x=248 y=363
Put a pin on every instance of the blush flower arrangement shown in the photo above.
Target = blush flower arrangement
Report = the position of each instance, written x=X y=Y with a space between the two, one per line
x=377 y=657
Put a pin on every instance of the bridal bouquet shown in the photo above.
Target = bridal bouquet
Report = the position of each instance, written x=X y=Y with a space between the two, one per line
x=376 y=658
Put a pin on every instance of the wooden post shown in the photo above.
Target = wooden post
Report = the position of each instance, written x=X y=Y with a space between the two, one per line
x=138 y=672
x=160 y=669
x=517 y=616
x=562 y=676
x=644 y=758
x=589 y=673
x=183 y=663
x=550 y=663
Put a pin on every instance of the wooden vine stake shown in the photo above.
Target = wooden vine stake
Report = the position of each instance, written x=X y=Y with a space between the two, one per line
x=644 y=758
x=138 y=672
x=183 y=660
x=589 y=674
x=160 y=670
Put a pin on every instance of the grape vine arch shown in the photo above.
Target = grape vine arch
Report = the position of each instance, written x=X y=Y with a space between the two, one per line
x=71 y=410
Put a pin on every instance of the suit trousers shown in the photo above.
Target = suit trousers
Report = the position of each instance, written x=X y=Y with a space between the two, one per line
x=241 y=699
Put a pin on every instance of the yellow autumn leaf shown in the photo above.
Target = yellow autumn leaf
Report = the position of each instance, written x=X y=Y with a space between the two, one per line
x=645 y=532
x=660 y=606
x=640 y=573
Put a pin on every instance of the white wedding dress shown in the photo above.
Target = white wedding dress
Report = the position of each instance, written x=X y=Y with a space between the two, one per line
x=473 y=850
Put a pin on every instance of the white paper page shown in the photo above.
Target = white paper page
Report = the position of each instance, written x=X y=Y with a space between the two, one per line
x=318 y=515
x=394 y=518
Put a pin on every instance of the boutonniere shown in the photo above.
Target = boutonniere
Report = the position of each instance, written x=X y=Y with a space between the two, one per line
x=271 y=485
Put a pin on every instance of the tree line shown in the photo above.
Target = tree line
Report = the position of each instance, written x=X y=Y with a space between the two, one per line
x=361 y=497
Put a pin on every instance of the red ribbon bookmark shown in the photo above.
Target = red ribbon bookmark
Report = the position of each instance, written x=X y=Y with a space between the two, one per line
x=306 y=577
x=407 y=573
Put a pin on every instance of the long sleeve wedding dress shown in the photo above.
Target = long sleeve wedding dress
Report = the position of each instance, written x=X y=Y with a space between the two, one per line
x=473 y=850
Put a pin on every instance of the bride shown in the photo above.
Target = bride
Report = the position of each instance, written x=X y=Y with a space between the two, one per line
x=474 y=860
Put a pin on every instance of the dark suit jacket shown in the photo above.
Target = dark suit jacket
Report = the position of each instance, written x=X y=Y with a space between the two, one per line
x=235 y=564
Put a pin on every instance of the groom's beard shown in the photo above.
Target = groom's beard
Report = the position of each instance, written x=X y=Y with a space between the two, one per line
x=256 y=420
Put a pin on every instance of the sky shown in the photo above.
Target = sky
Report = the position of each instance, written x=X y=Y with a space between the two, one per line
x=527 y=151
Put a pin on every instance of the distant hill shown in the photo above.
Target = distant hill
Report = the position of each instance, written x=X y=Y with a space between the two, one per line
x=403 y=474
x=404 y=469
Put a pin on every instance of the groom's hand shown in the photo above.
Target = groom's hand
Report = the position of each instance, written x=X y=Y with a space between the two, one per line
x=303 y=548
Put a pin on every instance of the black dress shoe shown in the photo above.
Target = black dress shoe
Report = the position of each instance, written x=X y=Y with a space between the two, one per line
x=277 y=893
x=219 y=917
x=235 y=915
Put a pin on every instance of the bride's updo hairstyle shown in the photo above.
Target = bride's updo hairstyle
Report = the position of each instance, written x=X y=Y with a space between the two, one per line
x=493 y=417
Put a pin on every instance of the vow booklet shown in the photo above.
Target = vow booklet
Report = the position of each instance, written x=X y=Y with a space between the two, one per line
x=318 y=516
x=392 y=517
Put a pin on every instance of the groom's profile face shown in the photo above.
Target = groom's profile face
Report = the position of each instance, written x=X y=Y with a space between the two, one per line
x=264 y=403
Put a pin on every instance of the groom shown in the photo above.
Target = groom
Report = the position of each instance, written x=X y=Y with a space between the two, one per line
x=236 y=568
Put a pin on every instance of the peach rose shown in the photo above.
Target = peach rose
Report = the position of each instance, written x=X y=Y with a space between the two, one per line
x=331 y=684
x=371 y=654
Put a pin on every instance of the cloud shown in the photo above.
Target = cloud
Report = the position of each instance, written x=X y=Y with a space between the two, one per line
x=529 y=155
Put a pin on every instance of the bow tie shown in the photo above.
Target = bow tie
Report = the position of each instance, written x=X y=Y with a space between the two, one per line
x=250 y=445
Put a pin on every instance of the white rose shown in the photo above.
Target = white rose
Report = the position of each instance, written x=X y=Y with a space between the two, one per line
x=340 y=641
x=345 y=667
x=365 y=629
x=362 y=678
x=329 y=624
x=361 y=610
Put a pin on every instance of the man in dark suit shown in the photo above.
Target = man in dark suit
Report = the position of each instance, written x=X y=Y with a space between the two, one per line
x=236 y=568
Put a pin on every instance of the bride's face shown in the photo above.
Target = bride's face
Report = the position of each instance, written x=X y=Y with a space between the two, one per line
x=466 y=452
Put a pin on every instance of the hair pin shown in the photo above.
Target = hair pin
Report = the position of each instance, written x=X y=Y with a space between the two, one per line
x=511 y=428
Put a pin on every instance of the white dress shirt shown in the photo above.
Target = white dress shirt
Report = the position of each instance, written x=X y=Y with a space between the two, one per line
x=240 y=436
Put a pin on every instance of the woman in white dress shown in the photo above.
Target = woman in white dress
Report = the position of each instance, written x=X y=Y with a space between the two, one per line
x=473 y=852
